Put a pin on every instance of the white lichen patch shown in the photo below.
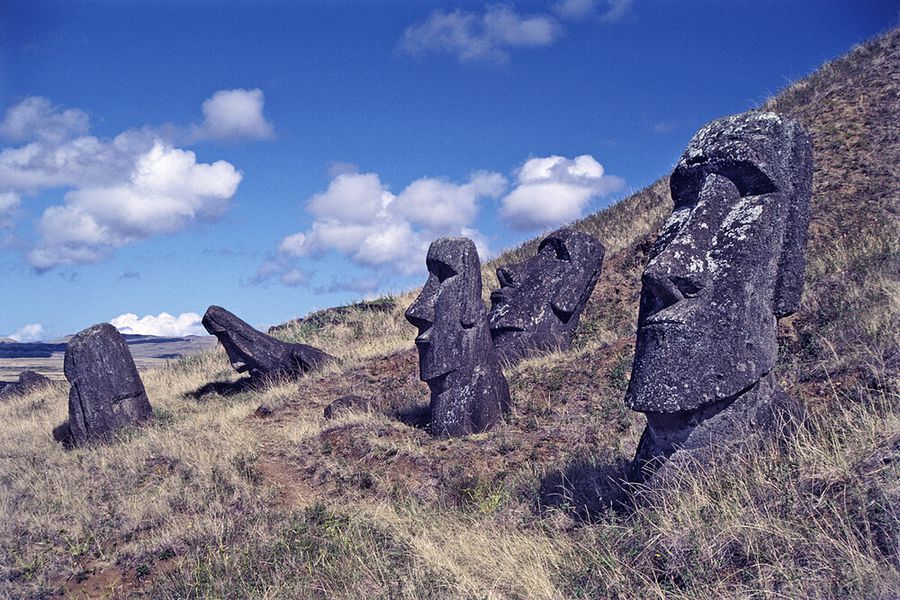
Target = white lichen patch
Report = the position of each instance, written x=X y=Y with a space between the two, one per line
x=743 y=214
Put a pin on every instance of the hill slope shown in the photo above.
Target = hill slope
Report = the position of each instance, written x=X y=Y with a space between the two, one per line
x=211 y=501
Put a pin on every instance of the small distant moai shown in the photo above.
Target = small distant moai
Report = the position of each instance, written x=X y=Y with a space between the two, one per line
x=727 y=264
x=106 y=393
x=457 y=360
x=260 y=354
x=29 y=381
x=540 y=300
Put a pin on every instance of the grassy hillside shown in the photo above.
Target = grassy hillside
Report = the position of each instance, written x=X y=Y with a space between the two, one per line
x=211 y=501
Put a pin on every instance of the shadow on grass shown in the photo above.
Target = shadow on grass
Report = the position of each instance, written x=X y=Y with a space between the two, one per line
x=589 y=490
x=223 y=388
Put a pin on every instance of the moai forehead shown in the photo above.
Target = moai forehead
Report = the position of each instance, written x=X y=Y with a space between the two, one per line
x=726 y=264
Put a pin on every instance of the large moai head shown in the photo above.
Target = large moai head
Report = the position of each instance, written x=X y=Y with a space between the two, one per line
x=259 y=354
x=540 y=300
x=726 y=265
x=456 y=357
x=106 y=391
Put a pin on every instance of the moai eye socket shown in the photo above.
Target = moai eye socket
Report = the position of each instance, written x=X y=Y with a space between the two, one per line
x=441 y=270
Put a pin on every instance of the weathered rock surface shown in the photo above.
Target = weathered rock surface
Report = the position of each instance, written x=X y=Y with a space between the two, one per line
x=106 y=393
x=540 y=300
x=29 y=381
x=456 y=357
x=726 y=265
x=261 y=355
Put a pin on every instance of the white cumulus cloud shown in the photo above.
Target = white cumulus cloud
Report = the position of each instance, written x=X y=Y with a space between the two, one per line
x=163 y=324
x=235 y=114
x=29 y=333
x=166 y=191
x=359 y=217
x=480 y=36
x=132 y=187
x=554 y=190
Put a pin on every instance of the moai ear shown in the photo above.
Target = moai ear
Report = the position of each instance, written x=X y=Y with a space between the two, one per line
x=472 y=304
x=792 y=264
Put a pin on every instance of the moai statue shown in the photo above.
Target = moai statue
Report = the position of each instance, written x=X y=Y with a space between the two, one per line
x=540 y=300
x=456 y=358
x=727 y=264
x=106 y=391
x=260 y=354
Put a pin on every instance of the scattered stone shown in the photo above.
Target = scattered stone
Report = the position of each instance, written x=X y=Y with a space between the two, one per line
x=29 y=381
x=540 y=300
x=263 y=411
x=260 y=354
x=106 y=391
x=727 y=264
x=457 y=360
x=346 y=403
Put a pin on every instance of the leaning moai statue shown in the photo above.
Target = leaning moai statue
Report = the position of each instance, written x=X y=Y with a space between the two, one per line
x=540 y=300
x=106 y=393
x=456 y=358
x=727 y=264
x=260 y=354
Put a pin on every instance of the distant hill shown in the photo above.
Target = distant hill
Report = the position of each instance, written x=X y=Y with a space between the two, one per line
x=47 y=357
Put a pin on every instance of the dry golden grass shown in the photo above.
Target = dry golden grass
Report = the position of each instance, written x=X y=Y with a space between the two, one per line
x=210 y=501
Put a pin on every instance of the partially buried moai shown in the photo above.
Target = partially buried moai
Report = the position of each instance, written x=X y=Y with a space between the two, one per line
x=727 y=264
x=456 y=358
x=106 y=393
x=540 y=300
x=259 y=354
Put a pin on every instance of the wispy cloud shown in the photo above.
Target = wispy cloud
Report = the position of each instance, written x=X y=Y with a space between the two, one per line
x=480 y=36
x=33 y=332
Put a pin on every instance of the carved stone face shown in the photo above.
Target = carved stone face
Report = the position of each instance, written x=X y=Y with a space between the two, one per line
x=727 y=263
x=540 y=300
x=449 y=307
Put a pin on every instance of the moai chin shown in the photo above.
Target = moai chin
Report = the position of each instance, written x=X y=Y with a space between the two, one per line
x=727 y=264
x=469 y=393
x=254 y=351
x=540 y=300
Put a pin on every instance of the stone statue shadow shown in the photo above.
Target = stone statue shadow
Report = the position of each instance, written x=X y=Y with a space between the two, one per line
x=589 y=490
x=418 y=416
x=224 y=388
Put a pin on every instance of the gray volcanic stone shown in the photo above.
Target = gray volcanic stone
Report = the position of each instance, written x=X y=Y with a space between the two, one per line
x=28 y=382
x=456 y=357
x=540 y=300
x=106 y=392
x=260 y=354
x=727 y=264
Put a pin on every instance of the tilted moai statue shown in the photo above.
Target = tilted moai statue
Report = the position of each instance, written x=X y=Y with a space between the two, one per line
x=106 y=391
x=456 y=358
x=540 y=300
x=727 y=264
x=260 y=354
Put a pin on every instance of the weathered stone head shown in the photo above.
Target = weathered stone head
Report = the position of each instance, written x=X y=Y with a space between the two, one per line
x=106 y=391
x=456 y=357
x=726 y=265
x=540 y=300
x=260 y=354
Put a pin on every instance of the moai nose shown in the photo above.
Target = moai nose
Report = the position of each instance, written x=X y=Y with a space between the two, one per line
x=421 y=312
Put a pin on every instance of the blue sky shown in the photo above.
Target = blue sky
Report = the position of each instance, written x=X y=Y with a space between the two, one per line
x=275 y=158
